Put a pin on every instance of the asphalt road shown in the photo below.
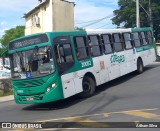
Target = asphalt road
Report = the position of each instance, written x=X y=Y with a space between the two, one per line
x=131 y=98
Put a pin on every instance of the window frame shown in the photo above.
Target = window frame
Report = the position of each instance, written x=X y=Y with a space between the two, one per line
x=136 y=39
x=57 y=41
x=151 y=37
x=103 y=43
x=126 y=41
x=99 y=44
x=35 y=19
x=142 y=39
x=120 y=36
x=87 y=47
x=71 y=52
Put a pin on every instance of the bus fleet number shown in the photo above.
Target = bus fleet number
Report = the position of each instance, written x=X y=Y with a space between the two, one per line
x=85 y=64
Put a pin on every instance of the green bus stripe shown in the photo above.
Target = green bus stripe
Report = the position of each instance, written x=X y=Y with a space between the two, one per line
x=143 y=48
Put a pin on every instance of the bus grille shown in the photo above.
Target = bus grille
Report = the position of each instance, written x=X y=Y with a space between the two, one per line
x=27 y=84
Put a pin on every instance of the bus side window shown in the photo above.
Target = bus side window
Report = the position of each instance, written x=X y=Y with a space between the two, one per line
x=136 y=40
x=107 y=42
x=117 y=42
x=82 y=49
x=149 y=37
x=127 y=40
x=143 y=38
x=66 y=56
x=95 y=44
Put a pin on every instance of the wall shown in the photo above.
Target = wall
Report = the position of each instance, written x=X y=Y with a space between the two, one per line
x=63 y=16
x=46 y=17
x=55 y=15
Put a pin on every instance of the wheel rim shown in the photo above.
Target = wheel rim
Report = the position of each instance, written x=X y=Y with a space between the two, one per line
x=86 y=86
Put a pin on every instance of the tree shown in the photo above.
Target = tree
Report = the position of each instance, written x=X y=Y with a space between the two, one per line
x=11 y=34
x=125 y=16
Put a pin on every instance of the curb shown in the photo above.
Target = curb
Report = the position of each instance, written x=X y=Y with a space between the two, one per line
x=6 y=98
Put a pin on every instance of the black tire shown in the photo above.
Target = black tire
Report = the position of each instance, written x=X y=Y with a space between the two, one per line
x=89 y=87
x=140 y=67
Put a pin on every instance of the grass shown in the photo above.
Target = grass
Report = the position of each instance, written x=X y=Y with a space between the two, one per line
x=6 y=94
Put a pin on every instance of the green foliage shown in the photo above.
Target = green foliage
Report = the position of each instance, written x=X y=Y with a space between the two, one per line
x=11 y=34
x=125 y=16
x=6 y=94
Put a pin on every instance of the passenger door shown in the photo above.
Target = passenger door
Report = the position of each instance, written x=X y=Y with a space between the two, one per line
x=65 y=60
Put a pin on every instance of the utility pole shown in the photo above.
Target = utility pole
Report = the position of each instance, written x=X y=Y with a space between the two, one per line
x=150 y=15
x=137 y=14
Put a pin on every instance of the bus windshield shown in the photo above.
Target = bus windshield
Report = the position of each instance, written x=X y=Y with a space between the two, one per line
x=32 y=63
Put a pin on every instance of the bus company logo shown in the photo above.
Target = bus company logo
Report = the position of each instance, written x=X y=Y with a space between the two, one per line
x=115 y=58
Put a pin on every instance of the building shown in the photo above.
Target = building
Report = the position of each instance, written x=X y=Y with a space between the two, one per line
x=50 y=15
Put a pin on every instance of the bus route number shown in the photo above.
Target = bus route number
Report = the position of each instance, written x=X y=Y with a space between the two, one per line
x=86 y=63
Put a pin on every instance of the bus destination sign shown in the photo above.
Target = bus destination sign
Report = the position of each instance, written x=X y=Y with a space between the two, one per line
x=28 y=41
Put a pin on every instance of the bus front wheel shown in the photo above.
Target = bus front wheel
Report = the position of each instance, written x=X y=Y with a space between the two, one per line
x=140 y=66
x=89 y=86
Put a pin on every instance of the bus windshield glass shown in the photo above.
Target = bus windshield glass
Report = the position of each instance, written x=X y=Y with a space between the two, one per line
x=32 y=63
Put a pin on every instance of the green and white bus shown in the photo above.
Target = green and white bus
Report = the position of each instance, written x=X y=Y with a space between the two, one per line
x=51 y=66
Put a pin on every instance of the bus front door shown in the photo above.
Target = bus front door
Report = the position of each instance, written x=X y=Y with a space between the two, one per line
x=65 y=61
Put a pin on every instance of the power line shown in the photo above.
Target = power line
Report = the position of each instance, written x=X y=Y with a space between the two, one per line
x=97 y=21
x=103 y=26
x=87 y=21
x=94 y=20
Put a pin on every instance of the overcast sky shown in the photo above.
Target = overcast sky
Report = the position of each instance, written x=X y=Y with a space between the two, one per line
x=12 y=11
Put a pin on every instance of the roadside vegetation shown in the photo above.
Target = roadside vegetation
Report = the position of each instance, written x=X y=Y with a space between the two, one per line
x=5 y=87
x=5 y=94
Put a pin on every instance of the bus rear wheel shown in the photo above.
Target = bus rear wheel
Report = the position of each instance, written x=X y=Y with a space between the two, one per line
x=89 y=87
x=140 y=67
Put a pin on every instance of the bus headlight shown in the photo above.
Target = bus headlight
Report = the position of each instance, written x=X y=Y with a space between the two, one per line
x=50 y=87
x=53 y=85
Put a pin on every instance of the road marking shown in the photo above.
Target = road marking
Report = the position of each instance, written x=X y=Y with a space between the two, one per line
x=101 y=114
x=87 y=122
x=78 y=119
x=55 y=129
x=140 y=114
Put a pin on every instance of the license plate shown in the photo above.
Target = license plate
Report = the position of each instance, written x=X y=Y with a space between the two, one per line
x=30 y=99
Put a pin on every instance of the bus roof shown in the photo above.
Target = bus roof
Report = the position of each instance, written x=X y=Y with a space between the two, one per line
x=108 y=31
x=89 y=32
x=103 y=31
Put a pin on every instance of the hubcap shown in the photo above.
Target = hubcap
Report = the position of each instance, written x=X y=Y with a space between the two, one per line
x=86 y=86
